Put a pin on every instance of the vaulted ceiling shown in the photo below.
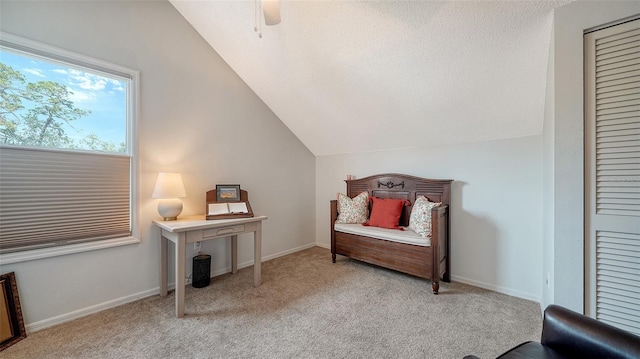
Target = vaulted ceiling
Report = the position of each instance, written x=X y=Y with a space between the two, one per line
x=361 y=76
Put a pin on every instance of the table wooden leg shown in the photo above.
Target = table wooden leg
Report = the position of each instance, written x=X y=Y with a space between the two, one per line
x=180 y=273
x=257 y=255
x=234 y=254
x=163 y=265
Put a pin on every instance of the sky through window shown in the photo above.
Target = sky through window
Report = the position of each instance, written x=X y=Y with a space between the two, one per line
x=100 y=99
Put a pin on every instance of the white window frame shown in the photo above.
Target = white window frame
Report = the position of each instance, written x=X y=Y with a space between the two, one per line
x=55 y=54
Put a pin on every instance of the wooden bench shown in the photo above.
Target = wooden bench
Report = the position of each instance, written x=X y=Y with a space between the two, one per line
x=432 y=261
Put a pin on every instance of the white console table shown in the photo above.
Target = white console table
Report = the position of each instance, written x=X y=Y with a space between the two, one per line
x=196 y=229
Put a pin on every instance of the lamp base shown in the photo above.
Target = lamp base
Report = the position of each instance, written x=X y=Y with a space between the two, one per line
x=170 y=209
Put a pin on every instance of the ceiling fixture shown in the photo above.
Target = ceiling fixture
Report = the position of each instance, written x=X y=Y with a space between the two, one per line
x=271 y=11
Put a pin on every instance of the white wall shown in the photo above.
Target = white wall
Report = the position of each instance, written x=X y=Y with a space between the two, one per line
x=198 y=118
x=570 y=21
x=496 y=211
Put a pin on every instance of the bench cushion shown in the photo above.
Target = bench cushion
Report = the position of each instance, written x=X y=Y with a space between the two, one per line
x=406 y=236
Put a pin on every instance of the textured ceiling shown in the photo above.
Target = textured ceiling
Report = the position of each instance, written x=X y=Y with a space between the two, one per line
x=360 y=76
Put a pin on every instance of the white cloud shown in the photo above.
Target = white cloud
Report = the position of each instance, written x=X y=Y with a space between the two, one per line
x=117 y=85
x=36 y=72
x=87 y=81
x=80 y=96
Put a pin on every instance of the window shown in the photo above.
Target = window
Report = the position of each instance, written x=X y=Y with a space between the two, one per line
x=68 y=151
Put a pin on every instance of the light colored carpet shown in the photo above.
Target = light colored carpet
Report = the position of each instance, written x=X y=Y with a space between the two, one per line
x=306 y=307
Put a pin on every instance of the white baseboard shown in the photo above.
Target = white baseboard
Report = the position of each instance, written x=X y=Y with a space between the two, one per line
x=264 y=259
x=284 y=253
x=475 y=283
x=496 y=288
x=34 y=327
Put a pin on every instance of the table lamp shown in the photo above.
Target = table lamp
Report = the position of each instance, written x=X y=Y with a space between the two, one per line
x=169 y=188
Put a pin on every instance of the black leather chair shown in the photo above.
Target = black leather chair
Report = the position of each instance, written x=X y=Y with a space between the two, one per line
x=567 y=334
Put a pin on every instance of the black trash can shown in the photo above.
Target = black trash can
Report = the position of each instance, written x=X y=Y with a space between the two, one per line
x=201 y=270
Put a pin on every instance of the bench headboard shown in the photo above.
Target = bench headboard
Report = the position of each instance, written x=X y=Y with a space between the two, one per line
x=393 y=185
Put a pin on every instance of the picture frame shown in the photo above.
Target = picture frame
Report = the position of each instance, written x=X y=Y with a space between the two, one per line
x=227 y=192
x=11 y=322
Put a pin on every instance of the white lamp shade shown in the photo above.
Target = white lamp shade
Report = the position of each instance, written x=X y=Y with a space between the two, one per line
x=271 y=10
x=169 y=185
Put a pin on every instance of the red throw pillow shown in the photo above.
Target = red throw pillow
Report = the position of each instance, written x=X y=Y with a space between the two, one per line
x=386 y=212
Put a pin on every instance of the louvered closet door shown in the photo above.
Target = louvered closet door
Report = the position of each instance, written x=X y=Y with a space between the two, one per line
x=612 y=155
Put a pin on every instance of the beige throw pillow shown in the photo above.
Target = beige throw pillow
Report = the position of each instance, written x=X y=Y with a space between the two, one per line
x=353 y=210
x=420 y=219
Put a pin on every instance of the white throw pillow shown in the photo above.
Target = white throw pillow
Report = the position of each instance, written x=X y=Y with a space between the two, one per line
x=420 y=220
x=353 y=210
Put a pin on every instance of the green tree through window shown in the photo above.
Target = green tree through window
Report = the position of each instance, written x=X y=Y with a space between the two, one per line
x=43 y=114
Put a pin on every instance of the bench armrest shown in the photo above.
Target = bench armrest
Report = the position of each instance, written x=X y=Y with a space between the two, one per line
x=334 y=211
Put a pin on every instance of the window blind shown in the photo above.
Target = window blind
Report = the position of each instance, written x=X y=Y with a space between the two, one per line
x=51 y=197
